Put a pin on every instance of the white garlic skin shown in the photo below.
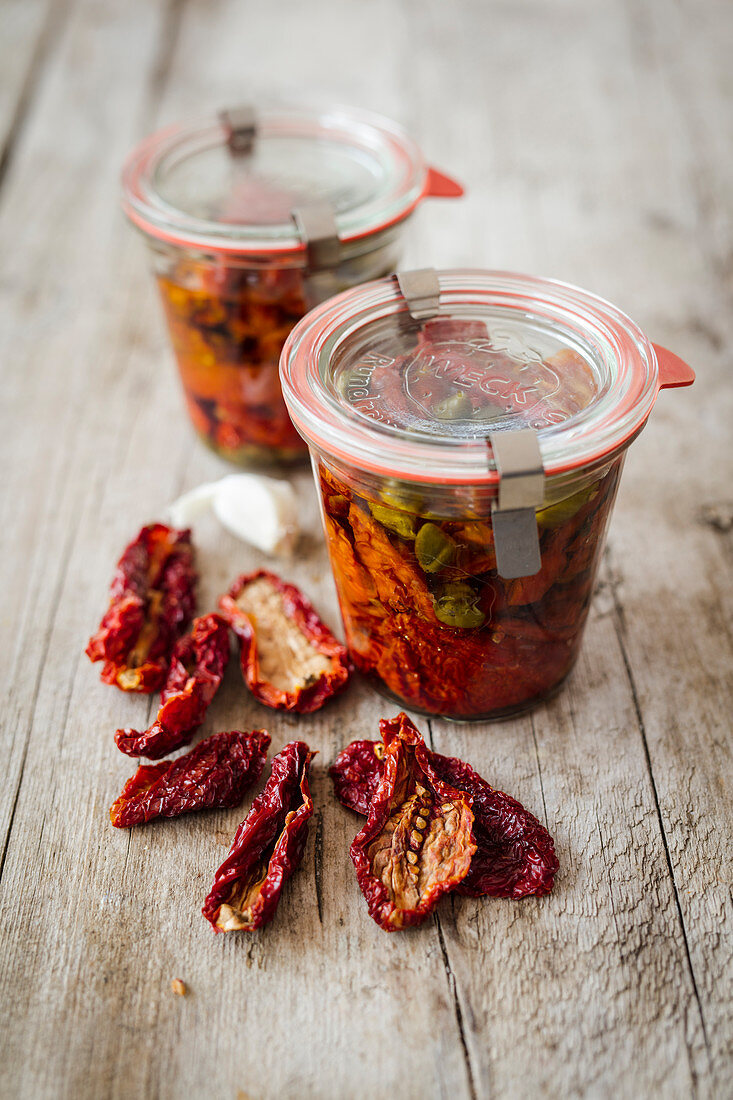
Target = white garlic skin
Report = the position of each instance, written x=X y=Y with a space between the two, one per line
x=259 y=510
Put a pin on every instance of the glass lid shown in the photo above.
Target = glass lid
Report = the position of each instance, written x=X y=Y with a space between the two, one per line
x=234 y=182
x=365 y=380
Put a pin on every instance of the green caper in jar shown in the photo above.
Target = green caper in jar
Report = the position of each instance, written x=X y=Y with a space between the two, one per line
x=401 y=523
x=455 y=407
x=398 y=494
x=564 y=510
x=456 y=604
x=397 y=509
x=434 y=549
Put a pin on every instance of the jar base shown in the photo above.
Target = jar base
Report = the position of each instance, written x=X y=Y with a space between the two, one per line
x=252 y=456
x=498 y=715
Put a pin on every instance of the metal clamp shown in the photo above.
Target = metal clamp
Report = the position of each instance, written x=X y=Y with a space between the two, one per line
x=316 y=224
x=240 y=127
x=421 y=291
x=521 y=491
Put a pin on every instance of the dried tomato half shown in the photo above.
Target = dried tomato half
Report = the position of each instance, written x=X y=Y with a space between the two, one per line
x=215 y=774
x=417 y=843
x=515 y=854
x=197 y=667
x=152 y=600
x=290 y=659
x=267 y=848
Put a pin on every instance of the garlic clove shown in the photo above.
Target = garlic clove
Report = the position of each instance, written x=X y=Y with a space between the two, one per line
x=260 y=510
x=192 y=505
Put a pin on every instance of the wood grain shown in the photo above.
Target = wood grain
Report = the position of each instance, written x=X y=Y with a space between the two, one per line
x=596 y=142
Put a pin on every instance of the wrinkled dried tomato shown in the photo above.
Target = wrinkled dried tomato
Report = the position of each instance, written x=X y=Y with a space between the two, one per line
x=216 y=773
x=290 y=659
x=196 y=670
x=515 y=854
x=152 y=599
x=267 y=847
x=417 y=842
x=356 y=773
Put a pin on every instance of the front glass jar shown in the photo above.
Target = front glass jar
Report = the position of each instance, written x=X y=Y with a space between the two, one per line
x=252 y=219
x=429 y=525
x=426 y=614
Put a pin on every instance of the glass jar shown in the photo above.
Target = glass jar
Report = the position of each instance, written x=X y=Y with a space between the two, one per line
x=252 y=219
x=467 y=439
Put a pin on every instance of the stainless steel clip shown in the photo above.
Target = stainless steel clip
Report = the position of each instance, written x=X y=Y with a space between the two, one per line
x=240 y=127
x=316 y=224
x=521 y=491
x=421 y=291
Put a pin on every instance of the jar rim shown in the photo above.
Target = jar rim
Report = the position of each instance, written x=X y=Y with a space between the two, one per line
x=608 y=425
x=399 y=177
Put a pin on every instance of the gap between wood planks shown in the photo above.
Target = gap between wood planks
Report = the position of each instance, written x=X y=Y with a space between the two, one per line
x=620 y=634
x=453 y=989
x=46 y=39
x=539 y=770
x=715 y=248
x=55 y=601
x=169 y=34
x=318 y=862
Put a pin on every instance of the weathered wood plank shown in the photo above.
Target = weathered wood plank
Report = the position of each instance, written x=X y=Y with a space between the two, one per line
x=60 y=385
x=28 y=28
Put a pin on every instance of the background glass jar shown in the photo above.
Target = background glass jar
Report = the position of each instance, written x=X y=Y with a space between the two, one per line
x=405 y=411
x=228 y=319
x=227 y=207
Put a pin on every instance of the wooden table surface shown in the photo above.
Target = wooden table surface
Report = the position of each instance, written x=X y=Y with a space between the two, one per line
x=596 y=142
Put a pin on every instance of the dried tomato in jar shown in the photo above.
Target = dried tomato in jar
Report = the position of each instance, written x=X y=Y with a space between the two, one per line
x=252 y=218
x=468 y=431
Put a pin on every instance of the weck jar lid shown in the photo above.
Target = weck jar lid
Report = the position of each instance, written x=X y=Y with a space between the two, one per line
x=264 y=181
x=437 y=376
